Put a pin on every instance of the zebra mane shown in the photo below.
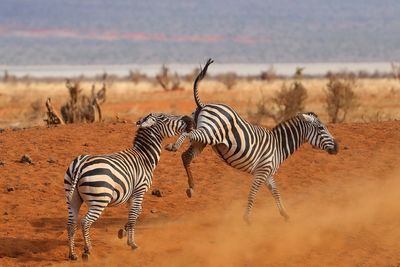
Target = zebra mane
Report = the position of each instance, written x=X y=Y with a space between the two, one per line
x=298 y=117
x=143 y=132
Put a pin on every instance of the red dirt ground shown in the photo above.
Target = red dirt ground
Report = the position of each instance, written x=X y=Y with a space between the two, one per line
x=345 y=209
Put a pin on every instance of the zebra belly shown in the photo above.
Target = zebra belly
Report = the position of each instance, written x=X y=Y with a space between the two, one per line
x=239 y=160
x=102 y=189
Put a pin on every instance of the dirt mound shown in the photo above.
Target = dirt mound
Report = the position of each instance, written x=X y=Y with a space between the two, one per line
x=344 y=209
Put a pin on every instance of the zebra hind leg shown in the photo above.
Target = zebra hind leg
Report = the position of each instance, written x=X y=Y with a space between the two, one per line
x=187 y=157
x=255 y=186
x=134 y=211
x=174 y=147
x=277 y=196
x=91 y=216
x=73 y=210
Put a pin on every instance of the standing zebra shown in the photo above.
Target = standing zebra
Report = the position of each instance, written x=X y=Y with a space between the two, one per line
x=248 y=147
x=114 y=179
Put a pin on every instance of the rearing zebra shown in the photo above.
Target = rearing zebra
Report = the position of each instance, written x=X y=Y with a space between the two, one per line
x=114 y=179
x=247 y=147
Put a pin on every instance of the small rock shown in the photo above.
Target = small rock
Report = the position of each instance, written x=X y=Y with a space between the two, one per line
x=2 y=163
x=1 y=130
x=50 y=160
x=156 y=192
x=345 y=147
x=10 y=189
x=153 y=211
x=5 y=213
x=26 y=159
x=85 y=144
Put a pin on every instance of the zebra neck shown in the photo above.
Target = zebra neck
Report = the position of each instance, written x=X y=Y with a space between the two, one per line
x=290 y=135
x=148 y=143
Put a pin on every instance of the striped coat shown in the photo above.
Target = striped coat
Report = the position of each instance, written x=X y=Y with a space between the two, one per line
x=117 y=178
x=250 y=148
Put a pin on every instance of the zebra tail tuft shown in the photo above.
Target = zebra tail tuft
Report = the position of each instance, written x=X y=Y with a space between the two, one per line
x=199 y=77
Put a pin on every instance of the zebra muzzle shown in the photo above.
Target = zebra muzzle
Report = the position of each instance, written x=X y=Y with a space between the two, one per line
x=334 y=150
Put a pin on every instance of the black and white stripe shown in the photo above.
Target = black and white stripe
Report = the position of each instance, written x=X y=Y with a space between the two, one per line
x=114 y=179
x=248 y=147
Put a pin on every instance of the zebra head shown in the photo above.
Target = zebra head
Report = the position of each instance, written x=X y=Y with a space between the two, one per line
x=318 y=135
x=166 y=124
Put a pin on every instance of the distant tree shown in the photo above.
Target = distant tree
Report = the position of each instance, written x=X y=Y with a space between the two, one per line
x=268 y=75
x=396 y=70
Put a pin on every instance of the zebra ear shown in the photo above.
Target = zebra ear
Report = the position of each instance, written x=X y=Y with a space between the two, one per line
x=146 y=122
x=307 y=117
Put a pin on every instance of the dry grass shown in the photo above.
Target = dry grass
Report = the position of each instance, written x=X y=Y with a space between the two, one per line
x=377 y=99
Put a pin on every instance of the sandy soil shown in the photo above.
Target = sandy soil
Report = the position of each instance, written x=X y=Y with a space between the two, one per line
x=344 y=208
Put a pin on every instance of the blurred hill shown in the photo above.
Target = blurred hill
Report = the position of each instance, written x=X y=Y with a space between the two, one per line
x=165 y=31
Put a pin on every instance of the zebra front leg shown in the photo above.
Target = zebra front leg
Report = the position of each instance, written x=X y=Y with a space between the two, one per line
x=174 y=147
x=270 y=182
x=134 y=211
x=255 y=186
x=91 y=216
x=73 y=210
x=187 y=157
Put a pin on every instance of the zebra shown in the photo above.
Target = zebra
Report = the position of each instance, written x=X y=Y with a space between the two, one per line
x=117 y=178
x=250 y=148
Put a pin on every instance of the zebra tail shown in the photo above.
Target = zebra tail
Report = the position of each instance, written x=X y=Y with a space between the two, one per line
x=74 y=182
x=199 y=77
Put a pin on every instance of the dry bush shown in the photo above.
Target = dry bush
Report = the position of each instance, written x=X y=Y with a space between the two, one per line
x=269 y=75
x=340 y=97
x=36 y=109
x=377 y=116
x=190 y=77
x=79 y=107
x=136 y=76
x=287 y=103
x=168 y=81
x=298 y=74
x=229 y=79
x=7 y=77
x=395 y=70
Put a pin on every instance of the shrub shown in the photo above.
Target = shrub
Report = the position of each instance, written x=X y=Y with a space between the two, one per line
x=340 y=97
x=229 y=79
x=167 y=81
x=396 y=70
x=268 y=75
x=287 y=103
x=79 y=107
x=136 y=76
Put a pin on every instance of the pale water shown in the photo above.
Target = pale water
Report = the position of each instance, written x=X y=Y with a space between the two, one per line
x=217 y=68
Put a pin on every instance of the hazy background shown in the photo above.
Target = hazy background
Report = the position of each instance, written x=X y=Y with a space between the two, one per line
x=169 y=31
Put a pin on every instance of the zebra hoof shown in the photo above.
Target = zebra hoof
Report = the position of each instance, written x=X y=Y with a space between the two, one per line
x=72 y=257
x=121 y=233
x=134 y=246
x=287 y=218
x=85 y=256
x=189 y=192
x=246 y=219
